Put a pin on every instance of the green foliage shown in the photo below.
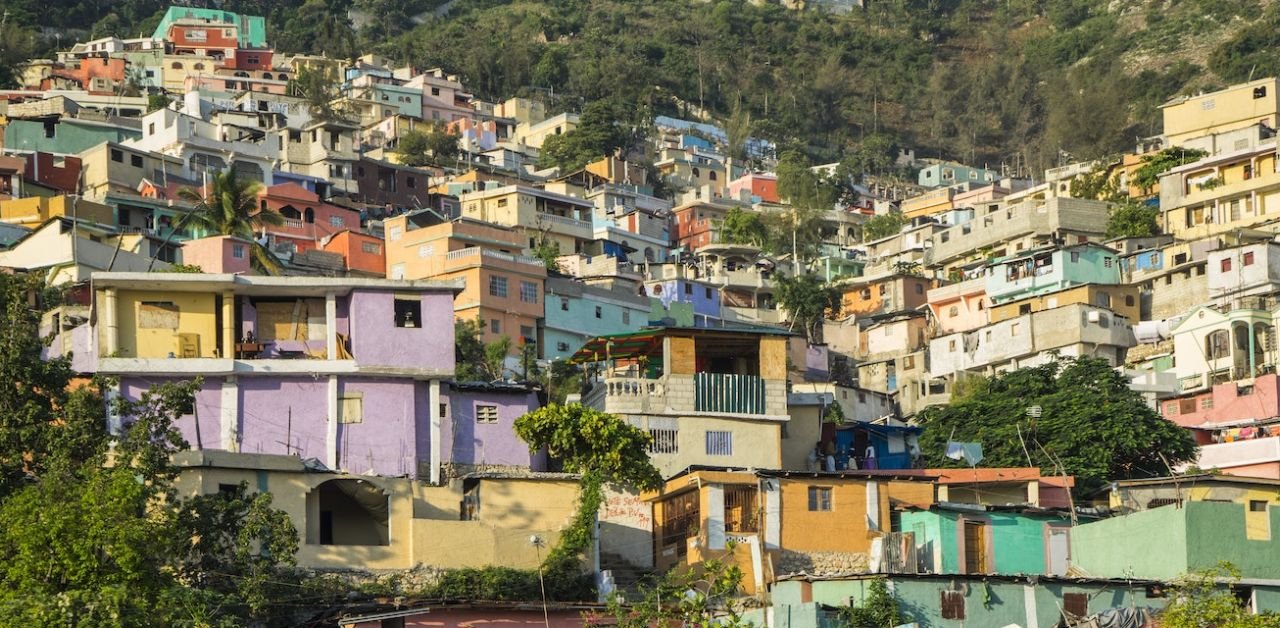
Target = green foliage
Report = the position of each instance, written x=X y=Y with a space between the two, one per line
x=1204 y=598
x=478 y=361
x=318 y=26
x=181 y=268
x=230 y=207
x=742 y=226
x=1091 y=421
x=549 y=252
x=588 y=441
x=319 y=92
x=157 y=101
x=706 y=595
x=801 y=186
x=878 y=610
x=432 y=147
x=883 y=226
x=603 y=127
x=1148 y=174
x=808 y=302
x=1249 y=52
x=1133 y=220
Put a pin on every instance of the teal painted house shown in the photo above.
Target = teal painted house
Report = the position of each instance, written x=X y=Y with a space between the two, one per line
x=253 y=28
x=1048 y=270
x=66 y=136
x=576 y=312
x=976 y=539
x=1165 y=542
x=959 y=601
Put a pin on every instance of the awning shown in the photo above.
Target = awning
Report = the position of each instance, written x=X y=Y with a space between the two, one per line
x=618 y=346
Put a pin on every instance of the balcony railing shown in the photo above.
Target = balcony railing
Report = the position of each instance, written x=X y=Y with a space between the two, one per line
x=724 y=392
x=475 y=251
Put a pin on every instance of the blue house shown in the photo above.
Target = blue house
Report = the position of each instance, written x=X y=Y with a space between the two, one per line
x=1041 y=271
x=948 y=173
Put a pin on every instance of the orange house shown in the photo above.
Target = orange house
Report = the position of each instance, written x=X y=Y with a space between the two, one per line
x=503 y=289
x=865 y=296
x=363 y=253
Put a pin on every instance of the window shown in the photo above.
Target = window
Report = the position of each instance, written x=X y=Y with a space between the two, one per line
x=1226 y=266
x=564 y=304
x=1257 y=505
x=486 y=413
x=919 y=288
x=953 y=605
x=1076 y=604
x=819 y=499
x=1217 y=345
x=719 y=443
x=688 y=289
x=337 y=221
x=237 y=251
x=498 y=286
x=426 y=250
x=409 y=182
x=135 y=161
x=370 y=248
x=1128 y=300
x=1075 y=257
x=351 y=408
x=397 y=271
x=526 y=334
x=176 y=66
x=435 y=91
x=117 y=155
x=1103 y=299
x=562 y=346
x=951 y=345
x=1260 y=91
x=599 y=312
x=394 y=233
x=408 y=312
x=495 y=325
x=626 y=317
x=1014 y=328
x=528 y=292
x=1106 y=262
x=666 y=439
x=502 y=202
x=1248 y=258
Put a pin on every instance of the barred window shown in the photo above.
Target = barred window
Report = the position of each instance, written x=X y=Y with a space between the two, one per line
x=719 y=443
x=497 y=286
x=528 y=292
x=486 y=414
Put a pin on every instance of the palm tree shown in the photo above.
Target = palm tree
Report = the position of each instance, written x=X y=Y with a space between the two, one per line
x=230 y=207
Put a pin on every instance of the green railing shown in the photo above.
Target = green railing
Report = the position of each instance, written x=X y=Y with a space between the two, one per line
x=724 y=392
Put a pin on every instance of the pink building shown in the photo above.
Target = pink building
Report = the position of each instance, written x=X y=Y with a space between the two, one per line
x=218 y=254
x=960 y=306
x=307 y=219
x=758 y=184
x=1236 y=424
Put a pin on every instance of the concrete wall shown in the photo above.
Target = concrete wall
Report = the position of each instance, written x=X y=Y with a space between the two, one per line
x=1017 y=542
x=1148 y=544
x=376 y=341
x=468 y=444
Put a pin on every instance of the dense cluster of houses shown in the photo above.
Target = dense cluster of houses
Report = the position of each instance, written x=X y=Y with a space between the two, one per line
x=332 y=385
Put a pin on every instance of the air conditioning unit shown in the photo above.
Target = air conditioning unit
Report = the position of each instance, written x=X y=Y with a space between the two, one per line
x=1094 y=316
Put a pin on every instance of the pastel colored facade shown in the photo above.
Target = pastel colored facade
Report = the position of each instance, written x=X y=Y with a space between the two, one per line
x=206 y=144
x=759 y=185
x=1167 y=542
x=113 y=167
x=178 y=69
x=959 y=306
x=71 y=251
x=347 y=371
x=1220 y=193
x=782 y=523
x=904 y=333
x=1016 y=226
x=708 y=396
x=251 y=30
x=949 y=601
x=308 y=220
x=1171 y=280
x=59 y=174
x=931 y=203
x=71 y=136
x=576 y=312
x=697 y=224
x=1228 y=404
x=480 y=434
x=946 y=174
x=692 y=169
x=443 y=96
x=363 y=254
x=562 y=221
x=1031 y=339
x=218 y=254
x=36 y=210
x=1237 y=106
x=349 y=521
x=702 y=296
x=536 y=133
x=963 y=539
x=865 y=296
x=326 y=149
x=1039 y=272
x=1124 y=300
x=502 y=289
x=1252 y=269
x=1212 y=346
x=393 y=185
x=98 y=75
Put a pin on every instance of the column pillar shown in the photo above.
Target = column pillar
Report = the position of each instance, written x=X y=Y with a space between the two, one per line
x=433 y=411
x=111 y=317
x=331 y=426
x=229 y=324
x=331 y=326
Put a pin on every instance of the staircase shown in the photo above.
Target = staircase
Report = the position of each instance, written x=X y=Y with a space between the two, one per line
x=631 y=581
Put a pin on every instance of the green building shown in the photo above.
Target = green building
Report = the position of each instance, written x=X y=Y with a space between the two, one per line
x=978 y=539
x=253 y=28
x=66 y=136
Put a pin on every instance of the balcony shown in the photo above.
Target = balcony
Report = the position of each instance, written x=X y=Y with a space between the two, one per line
x=725 y=392
x=1240 y=453
x=721 y=393
x=475 y=255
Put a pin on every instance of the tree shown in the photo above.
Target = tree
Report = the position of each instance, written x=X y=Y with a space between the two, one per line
x=478 y=361
x=1133 y=220
x=319 y=92
x=879 y=609
x=1148 y=174
x=808 y=302
x=1204 y=598
x=605 y=450
x=801 y=186
x=229 y=206
x=602 y=128
x=882 y=226
x=743 y=227
x=708 y=594
x=432 y=147
x=1091 y=424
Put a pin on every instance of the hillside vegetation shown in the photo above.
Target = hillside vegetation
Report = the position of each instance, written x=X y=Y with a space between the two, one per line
x=1018 y=83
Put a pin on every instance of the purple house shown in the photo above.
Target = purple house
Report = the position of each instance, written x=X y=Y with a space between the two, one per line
x=345 y=370
x=481 y=428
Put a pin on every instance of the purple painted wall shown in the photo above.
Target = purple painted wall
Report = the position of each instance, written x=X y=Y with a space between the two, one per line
x=376 y=341
x=385 y=441
x=469 y=442
x=208 y=408
x=280 y=415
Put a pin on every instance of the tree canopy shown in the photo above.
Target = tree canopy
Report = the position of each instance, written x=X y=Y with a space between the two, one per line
x=1090 y=421
x=808 y=302
x=882 y=225
x=1133 y=220
x=431 y=147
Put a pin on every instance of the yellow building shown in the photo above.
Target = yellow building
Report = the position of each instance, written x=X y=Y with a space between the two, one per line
x=373 y=522
x=1236 y=107
x=775 y=523
x=35 y=210
x=929 y=203
x=563 y=221
x=1220 y=193
x=1121 y=299
x=503 y=288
